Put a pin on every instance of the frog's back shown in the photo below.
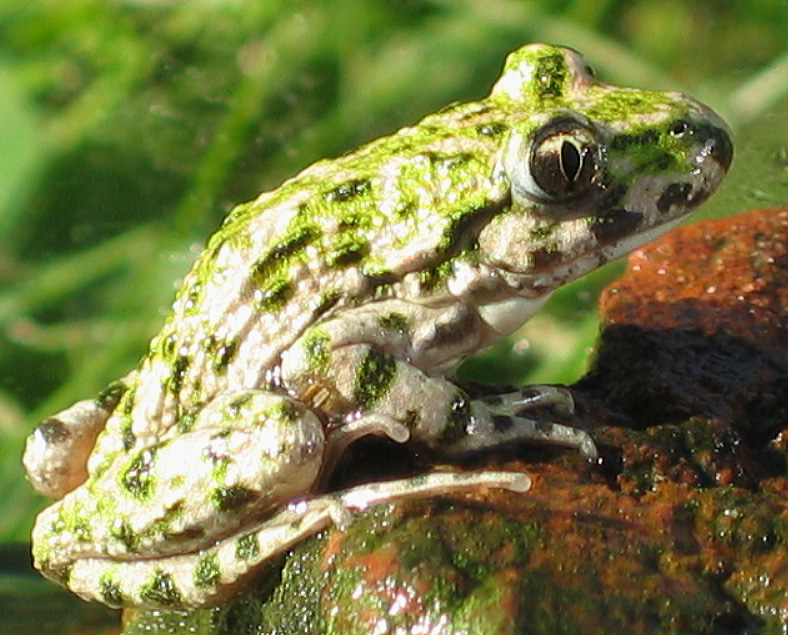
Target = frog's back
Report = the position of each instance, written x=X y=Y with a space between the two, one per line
x=342 y=233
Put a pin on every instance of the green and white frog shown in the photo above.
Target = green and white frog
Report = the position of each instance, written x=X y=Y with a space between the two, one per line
x=335 y=306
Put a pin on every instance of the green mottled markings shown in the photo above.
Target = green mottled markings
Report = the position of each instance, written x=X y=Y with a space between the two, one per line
x=137 y=479
x=247 y=547
x=206 y=573
x=81 y=526
x=416 y=250
x=161 y=590
x=374 y=378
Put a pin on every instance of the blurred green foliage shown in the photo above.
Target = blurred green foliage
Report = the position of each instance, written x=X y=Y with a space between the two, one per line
x=128 y=129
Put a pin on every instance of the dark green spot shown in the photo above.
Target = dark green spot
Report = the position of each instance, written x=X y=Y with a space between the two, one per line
x=227 y=499
x=81 y=529
x=137 y=479
x=287 y=411
x=53 y=431
x=327 y=301
x=450 y=162
x=123 y=532
x=396 y=322
x=161 y=590
x=110 y=592
x=168 y=345
x=233 y=409
x=246 y=547
x=542 y=232
x=664 y=161
x=458 y=416
x=380 y=279
x=434 y=277
x=178 y=373
x=275 y=294
x=109 y=398
x=284 y=250
x=188 y=418
x=128 y=404
x=374 y=378
x=648 y=138
x=317 y=348
x=224 y=354
x=349 y=190
x=550 y=74
x=349 y=252
x=206 y=573
x=492 y=129
x=193 y=297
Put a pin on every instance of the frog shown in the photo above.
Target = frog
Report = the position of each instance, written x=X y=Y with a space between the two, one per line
x=337 y=307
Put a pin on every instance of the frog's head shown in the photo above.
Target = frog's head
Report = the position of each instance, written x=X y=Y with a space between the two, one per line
x=593 y=170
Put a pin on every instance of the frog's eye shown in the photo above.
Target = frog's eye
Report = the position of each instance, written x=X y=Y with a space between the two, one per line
x=564 y=161
x=679 y=129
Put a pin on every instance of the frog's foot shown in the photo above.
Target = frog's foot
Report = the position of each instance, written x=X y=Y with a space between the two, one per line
x=559 y=398
x=210 y=575
x=56 y=453
x=500 y=419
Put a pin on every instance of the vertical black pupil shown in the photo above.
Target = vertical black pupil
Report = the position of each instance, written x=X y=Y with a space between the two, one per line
x=570 y=160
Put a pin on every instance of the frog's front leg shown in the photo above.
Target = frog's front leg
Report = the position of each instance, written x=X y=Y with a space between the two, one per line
x=371 y=387
x=217 y=572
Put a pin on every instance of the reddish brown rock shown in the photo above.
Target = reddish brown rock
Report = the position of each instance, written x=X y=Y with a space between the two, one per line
x=682 y=529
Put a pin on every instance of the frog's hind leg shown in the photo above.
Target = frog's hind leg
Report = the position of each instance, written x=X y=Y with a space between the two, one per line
x=206 y=578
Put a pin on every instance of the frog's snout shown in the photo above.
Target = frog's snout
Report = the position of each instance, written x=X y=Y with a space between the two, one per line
x=719 y=146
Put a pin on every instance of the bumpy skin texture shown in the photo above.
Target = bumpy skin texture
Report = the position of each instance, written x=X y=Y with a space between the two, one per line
x=332 y=308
